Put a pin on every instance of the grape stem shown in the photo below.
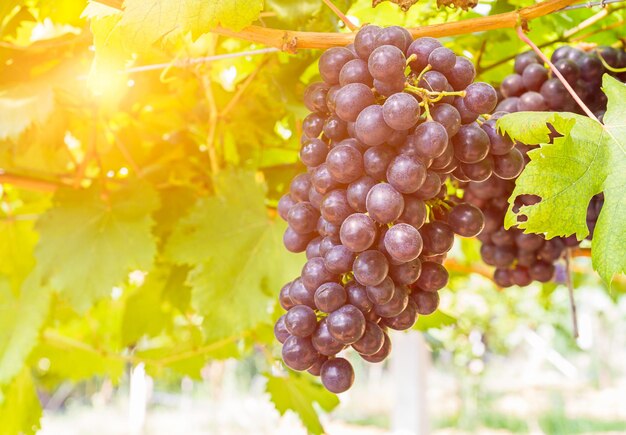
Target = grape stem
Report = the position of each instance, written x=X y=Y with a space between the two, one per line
x=607 y=66
x=411 y=58
x=349 y=24
x=570 y=290
x=556 y=72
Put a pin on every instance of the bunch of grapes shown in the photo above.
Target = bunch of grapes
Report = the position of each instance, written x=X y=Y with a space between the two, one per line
x=522 y=258
x=391 y=120
x=533 y=88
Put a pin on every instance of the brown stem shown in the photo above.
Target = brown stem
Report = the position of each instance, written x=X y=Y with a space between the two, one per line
x=292 y=40
x=523 y=37
x=349 y=24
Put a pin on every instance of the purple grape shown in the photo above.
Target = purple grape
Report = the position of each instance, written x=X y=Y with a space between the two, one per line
x=346 y=324
x=358 y=232
x=337 y=375
x=401 y=111
x=384 y=203
x=329 y=297
x=371 y=128
x=298 y=353
x=370 y=267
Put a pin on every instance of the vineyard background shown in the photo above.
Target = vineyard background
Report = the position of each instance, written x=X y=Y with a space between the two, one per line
x=142 y=155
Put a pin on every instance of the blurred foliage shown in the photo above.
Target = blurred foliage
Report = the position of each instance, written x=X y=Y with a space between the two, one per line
x=137 y=206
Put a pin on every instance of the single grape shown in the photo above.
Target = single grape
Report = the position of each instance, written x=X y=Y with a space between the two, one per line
x=372 y=340
x=534 y=76
x=414 y=212
x=345 y=163
x=299 y=187
x=314 y=274
x=394 y=35
x=471 y=144
x=421 y=48
x=381 y=354
x=315 y=97
x=323 y=341
x=329 y=297
x=442 y=59
x=512 y=86
x=401 y=111
x=338 y=259
x=357 y=296
x=284 y=205
x=508 y=105
x=426 y=302
x=523 y=60
x=508 y=166
x=541 y=271
x=532 y=101
x=280 y=330
x=405 y=273
x=331 y=62
x=479 y=171
x=358 y=232
x=365 y=40
x=431 y=138
x=312 y=125
x=502 y=277
x=499 y=144
x=316 y=368
x=433 y=277
x=284 y=298
x=346 y=324
x=406 y=174
x=520 y=276
x=300 y=321
x=384 y=203
x=335 y=208
x=302 y=218
x=462 y=74
x=315 y=198
x=433 y=81
x=298 y=353
x=403 y=242
x=370 y=267
x=467 y=116
x=357 y=192
x=376 y=159
x=396 y=305
x=448 y=116
x=568 y=69
x=431 y=186
x=321 y=179
x=337 y=375
x=299 y=294
x=386 y=61
x=405 y=320
x=381 y=293
x=313 y=248
x=335 y=128
x=371 y=128
x=351 y=99
x=466 y=220
x=295 y=242
x=391 y=86
x=480 y=97
x=355 y=71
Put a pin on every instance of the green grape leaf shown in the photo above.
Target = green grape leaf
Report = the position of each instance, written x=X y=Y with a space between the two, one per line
x=438 y=319
x=146 y=22
x=20 y=409
x=588 y=159
x=75 y=363
x=24 y=105
x=90 y=240
x=297 y=393
x=20 y=320
x=237 y=253
x=144 y=313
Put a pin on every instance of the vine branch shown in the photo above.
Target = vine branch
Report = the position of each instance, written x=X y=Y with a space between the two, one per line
x=289 y=40
x=349 y=24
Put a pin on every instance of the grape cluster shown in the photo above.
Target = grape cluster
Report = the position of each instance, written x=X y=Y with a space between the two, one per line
x=532 y=87
x=391 y=119
x=522 y=258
